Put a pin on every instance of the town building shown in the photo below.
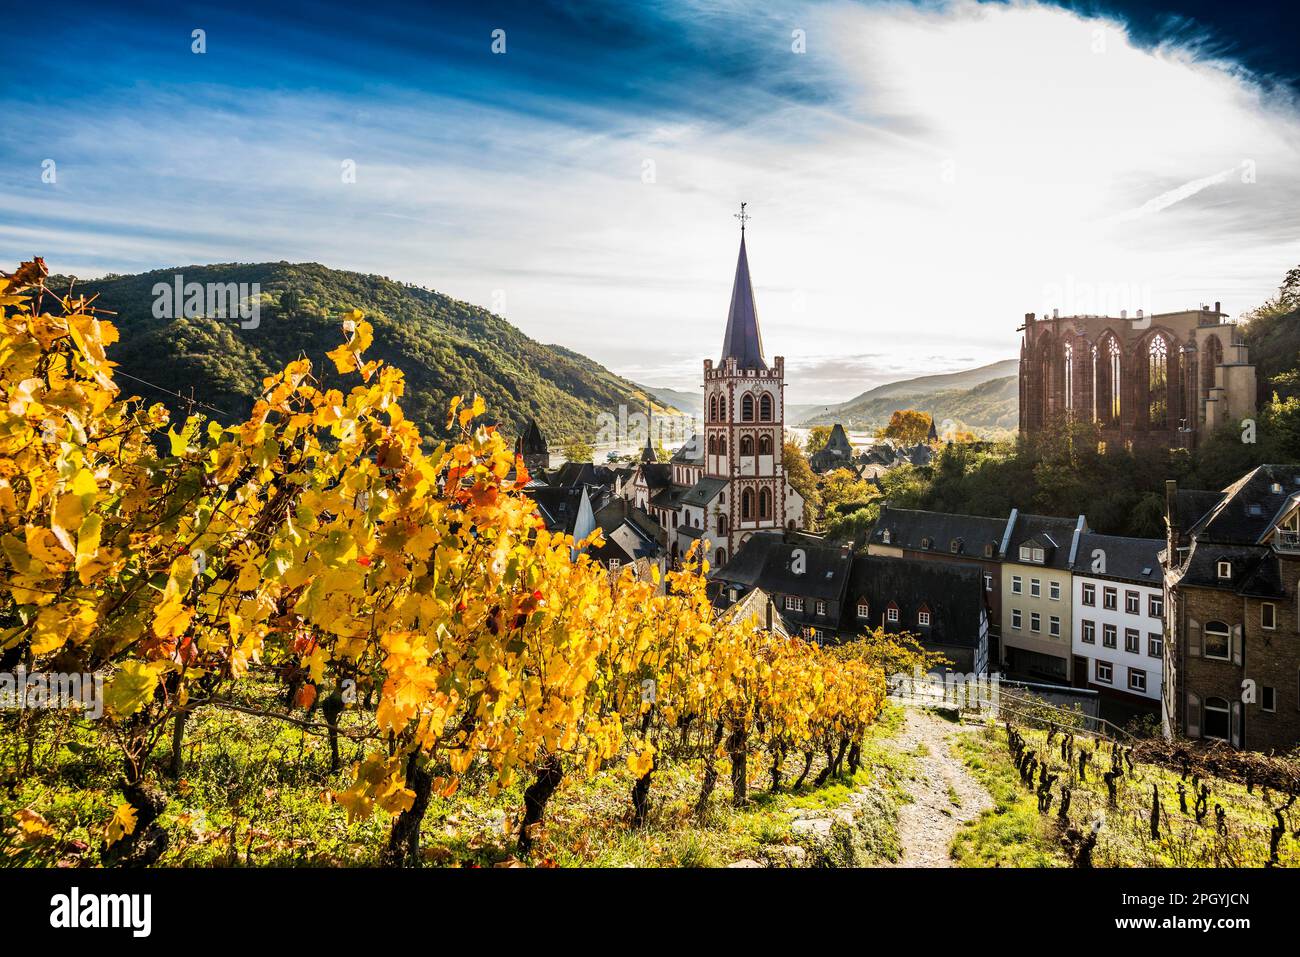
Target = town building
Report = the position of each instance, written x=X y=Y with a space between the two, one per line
x=1117 y=635
x=971 y=541
x=837 y=453
x=942 y=605
x=1037 y=554
x=1160 y=381
x=1231 y=564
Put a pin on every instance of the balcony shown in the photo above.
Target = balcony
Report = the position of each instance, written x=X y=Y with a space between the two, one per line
x=1286 y=541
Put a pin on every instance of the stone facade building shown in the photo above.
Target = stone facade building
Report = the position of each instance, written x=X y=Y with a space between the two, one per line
x=1160 y=381
x=1232 y=650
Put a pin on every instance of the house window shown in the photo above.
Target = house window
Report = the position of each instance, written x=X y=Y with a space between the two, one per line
x=793 y=603
x=1016 y=585
x=1132 y=641
x=1268 y=616
x=1089 y=594
x=1035 y=622
x=1108 y=635
x=1268 y=698
x=821 y=607
x=1015 y=618
x=923 y=619
x=1217 y=720
x=1054 y=591
x=1218 y=641
x=1054 y=627
x=891 y=613
x=1104 y=672
x=1225 y=571
x=1137 y=679
x=1035 y=588
x=988 y=582
x=1132 y=603
x=863 y=610
x=1109 y=599
x=613 y=564
x=1089 y=633
x=1156 y=606
x=1155 y=645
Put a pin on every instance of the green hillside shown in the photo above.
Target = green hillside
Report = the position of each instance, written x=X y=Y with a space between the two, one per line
x=990 y=405
x=444 y=346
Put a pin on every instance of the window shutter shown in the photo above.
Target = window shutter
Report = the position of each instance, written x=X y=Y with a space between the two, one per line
x=1193 y=638
x=1236 y=644
x=1236 y=724
x=1193 y=715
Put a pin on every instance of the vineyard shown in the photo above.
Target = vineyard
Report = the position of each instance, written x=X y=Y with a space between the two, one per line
x=1067 y=798
x=323 y=641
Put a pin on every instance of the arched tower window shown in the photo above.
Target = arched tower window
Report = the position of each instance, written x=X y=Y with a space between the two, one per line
x=1069 y=377
x=713 y=445
x=765 y=503
x=713 y=407
x=722 y=445
x=1116 y=381
x=747 y=503
x=765 y=407
x=1158 y=383
x=746 y=445
x=747 y=408
x=765 y=445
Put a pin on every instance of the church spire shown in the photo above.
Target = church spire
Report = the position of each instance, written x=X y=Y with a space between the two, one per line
x=743 y=341
x=648 y=454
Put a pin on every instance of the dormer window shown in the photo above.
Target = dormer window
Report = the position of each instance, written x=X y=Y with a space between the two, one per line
x=925 y=543
x=891 y=612
x=923 y=618
x=864 y=611
x=884 y=536
x=1225 y=569
x=955 y=546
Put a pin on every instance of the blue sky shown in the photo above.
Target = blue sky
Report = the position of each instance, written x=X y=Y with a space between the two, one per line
x=920 y=174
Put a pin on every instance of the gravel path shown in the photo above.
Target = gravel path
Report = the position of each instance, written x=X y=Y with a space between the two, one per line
x=944 y=794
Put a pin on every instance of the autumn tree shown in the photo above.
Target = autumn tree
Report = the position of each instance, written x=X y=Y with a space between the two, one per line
x=906 y=426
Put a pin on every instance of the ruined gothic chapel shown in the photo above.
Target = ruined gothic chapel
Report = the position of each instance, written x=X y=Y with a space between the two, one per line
x=1162 y=381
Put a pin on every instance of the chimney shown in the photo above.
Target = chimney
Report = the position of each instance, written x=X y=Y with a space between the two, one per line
x=1056 y=313
x=1218 y=306
x=1174 y=535
x=1139 y=313
x=769 y=612
x=1029 y=317
x=1123 y=313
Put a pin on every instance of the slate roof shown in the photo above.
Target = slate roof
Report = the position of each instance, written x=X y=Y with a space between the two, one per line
x=1127 y=559
x=953 y=594
x=582 y=473
x=909 y=528
x=1254 y=569
x=557 y=505
x=764 y=561
x=1054 y=534
x=1250 y=506
x=703 y=492
x=743 y=341
x=531 y=441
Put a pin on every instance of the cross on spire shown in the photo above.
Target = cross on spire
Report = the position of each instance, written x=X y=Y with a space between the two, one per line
x=742 y=216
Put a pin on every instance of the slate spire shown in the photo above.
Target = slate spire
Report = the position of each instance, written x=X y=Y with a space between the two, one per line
x=743 y=341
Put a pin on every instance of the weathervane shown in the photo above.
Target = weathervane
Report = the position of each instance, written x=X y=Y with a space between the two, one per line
x=742 y=216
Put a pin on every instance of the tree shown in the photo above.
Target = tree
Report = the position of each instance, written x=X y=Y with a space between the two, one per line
x=906 y=426
x=578 y=451
x=817 y=438
x=802 y=480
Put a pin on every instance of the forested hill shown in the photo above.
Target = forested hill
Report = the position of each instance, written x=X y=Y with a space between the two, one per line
x=444 y=346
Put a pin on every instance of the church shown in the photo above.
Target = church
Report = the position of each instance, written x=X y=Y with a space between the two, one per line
x=729 y=482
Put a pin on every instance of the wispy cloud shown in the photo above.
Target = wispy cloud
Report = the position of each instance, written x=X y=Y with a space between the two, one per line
x=920 y=176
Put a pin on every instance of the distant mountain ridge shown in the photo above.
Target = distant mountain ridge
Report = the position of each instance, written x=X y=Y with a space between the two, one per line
x=444 y=346
x=984 y=398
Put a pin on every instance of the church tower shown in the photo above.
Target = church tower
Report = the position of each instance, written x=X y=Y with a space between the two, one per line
x=744 y=426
